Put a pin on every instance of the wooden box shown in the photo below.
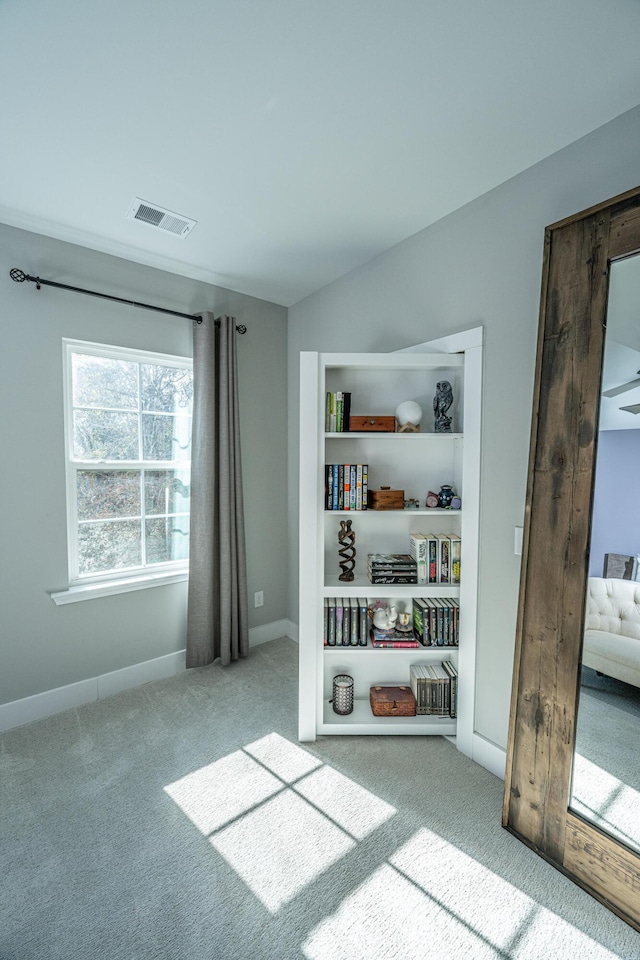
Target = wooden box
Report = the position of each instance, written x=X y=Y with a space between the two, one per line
x=380 y=424
x=385 y=499
x=392 y=702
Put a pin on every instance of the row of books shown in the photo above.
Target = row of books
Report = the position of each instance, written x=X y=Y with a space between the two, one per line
x=346 y=622
x=346 y=486
x=337 y=412
x=435 y=687
x=436 y=621
x=437 y=556
x=392 y=568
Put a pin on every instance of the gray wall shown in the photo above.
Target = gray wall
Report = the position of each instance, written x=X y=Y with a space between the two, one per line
x=478 y=266
x=43 y=646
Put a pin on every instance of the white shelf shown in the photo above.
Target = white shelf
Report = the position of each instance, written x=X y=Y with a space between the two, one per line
x=362 y=723
x=415 y=463
x=389 y=435
x=413 y=512
x=361 y=586
x=377 y=652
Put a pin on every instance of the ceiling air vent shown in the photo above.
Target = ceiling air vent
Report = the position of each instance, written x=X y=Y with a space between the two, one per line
x=155 y=216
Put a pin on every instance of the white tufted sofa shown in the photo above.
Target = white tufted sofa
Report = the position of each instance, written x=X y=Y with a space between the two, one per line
x=612 y=629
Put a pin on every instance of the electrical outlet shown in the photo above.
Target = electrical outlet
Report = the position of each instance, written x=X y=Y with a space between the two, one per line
x=517 y=542
x=258 y=598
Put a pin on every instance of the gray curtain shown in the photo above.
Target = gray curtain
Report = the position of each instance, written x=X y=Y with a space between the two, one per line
x=217 y=618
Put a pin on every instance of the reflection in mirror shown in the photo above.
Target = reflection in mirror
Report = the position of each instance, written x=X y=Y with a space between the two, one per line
x=606 y=773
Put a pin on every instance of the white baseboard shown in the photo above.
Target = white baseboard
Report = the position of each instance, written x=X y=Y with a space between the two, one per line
x=50 y=702
x=46 y=704
x=489 y=755
x=160 y=668
x=272 y=631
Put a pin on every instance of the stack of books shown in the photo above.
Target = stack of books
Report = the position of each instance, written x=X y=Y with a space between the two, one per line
x=392 y=639
x=435 y=687
x=392 y=568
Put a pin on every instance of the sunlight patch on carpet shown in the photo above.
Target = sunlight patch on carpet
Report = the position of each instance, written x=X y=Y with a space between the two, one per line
x=349 y=805
x=218 y=793
x=278 y=816
x=281 y=847
x=432 y=900
x=285 y=759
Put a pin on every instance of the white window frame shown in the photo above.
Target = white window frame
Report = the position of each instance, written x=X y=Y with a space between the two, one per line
x=82 y=587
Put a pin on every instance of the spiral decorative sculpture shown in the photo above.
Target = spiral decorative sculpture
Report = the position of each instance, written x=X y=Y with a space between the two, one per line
x=347 y=550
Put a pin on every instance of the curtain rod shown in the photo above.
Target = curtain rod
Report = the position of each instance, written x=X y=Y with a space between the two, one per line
x=19 y=276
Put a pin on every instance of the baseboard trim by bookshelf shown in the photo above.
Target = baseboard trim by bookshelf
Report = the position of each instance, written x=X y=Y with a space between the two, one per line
x=489 y=755
x=272 y=631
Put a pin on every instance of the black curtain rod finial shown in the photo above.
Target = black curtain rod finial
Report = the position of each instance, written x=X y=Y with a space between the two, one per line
x=19 y=276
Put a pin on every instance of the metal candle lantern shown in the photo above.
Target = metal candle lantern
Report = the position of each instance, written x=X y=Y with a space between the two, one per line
x=342 y=694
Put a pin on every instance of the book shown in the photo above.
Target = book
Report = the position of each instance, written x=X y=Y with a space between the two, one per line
x=346 y=487
x=444 y=570
x=418 y=550
x=432 y=557
x=359 y=486
x=456 y=550
x=346 y=408
x=393 y=578
x=339 y=411
x=421 y=621
x=453 y=686
x=354 y=633
x=325 y=624
x=331 y=625
x=339 y=621
x=392 y=640
x=328 y=486
x=418 y=687
x=364 y=621
x=392 y=559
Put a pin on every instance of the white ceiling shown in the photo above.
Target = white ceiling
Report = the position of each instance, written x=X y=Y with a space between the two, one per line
x=304 y=136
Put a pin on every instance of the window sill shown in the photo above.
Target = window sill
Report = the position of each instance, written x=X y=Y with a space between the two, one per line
x=90 y=591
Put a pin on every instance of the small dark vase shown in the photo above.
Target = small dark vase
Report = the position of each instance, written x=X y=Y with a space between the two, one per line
x=445 y=496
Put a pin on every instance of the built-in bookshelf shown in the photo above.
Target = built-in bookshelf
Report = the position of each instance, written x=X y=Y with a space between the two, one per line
x=415 y=463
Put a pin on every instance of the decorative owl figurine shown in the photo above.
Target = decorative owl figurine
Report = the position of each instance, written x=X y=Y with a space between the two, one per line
x=441 y=403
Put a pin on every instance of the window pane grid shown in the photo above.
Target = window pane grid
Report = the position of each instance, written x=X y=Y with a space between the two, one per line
x=148 y=471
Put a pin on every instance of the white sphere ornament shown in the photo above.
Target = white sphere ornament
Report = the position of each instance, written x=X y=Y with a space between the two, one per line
x=408 y=416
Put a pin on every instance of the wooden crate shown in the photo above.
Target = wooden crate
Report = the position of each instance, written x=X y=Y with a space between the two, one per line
x=385 y=499
x=379 y=424
x=392 y=702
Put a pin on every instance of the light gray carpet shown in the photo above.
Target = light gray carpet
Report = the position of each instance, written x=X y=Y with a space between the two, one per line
x=183 y=821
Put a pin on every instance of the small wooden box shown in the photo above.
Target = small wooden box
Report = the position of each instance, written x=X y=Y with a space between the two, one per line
x=380 y=424
x=385 y=499
x=392 y=702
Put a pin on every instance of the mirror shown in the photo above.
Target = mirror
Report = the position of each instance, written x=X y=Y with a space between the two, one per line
x=606 y=771
x=545 y=803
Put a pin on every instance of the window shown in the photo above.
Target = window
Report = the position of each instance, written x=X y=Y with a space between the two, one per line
x=128 y=441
